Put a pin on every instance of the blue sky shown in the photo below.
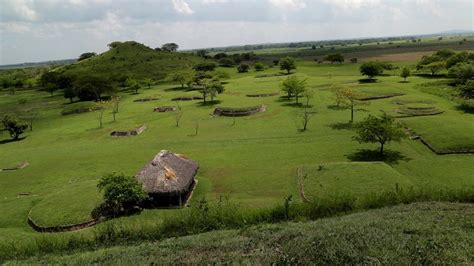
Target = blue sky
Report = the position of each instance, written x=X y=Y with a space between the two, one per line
x=37 y=30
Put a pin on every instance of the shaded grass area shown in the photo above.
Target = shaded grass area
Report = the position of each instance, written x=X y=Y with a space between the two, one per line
x=421 y=233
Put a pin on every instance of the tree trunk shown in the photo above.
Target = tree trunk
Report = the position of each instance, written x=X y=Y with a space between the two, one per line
x=352 y=111
x=381 y=150
x=296 y=99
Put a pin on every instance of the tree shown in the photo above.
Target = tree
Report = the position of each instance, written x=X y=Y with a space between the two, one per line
x=13 y=126
x=51 y=88
x=147 y=82
x=347 y=98
x=205 y=66
x=405 y=73
x=103 y=106
x=435 y=67
x=293 y=87
x=121 y=192
x=201 y=53
x=114 y=45
x=180 y=77
x=242 y=68
x=378 y=129
x=178 y=115
x=170 y=47
x=211 y=87
x=467 y=90
x=462 y=72
x=259 y=66
x=221 y=74
x=226 y=62
x=306 y=116
x=92 y=87
x=86 y=55
x=339 y=58
x=115 y=106
x=288 y=64
x=133 y=84
x=308 y=94
x=371 y=69
x=220 y=56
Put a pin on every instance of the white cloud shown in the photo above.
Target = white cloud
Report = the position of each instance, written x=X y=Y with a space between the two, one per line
x=288 y=4
x=353 y=4
x=182 y=7
x=23 y=9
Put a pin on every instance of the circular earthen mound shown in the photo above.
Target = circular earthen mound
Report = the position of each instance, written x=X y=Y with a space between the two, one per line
x=187 y=98
x=263 y=94
x=246 y=111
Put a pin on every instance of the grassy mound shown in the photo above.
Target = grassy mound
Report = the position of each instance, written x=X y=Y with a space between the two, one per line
x=408 y=111
x=421 y=233
x=49 y=211
x=80 y=107
x=456 y=137
x=135 y=60
x=355 y=178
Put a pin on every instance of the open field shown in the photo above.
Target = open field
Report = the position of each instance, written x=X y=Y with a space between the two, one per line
x=253 y=161
x=410 y=234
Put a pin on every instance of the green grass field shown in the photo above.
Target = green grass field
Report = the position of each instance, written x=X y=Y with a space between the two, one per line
x=253 y=162
x=422 y=233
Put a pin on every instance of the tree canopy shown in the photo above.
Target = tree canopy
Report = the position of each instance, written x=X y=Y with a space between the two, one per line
x=380 y=130
x=371 y=69
x=288 y=64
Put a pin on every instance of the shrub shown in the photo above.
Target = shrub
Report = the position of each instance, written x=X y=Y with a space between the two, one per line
x=259 y=66
x=121 y=192
x=242 y=68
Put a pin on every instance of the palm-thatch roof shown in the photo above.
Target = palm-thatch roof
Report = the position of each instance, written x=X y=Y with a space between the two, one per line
x=168 y=173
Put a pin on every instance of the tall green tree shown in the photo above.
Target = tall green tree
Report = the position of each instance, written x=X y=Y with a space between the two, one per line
x=380 y=130
x=13 y=126
x=293 y=87
x=288 y=64
x=371 y=69
x=405 y=73
x=170 y=47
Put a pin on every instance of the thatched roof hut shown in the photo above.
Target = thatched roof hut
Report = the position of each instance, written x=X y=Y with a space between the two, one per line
x=168 y=179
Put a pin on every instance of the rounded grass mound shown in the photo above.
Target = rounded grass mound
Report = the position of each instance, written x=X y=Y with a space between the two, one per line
x=245 y=111
x=70 y=204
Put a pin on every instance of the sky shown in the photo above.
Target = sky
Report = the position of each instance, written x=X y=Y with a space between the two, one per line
x=39 y=30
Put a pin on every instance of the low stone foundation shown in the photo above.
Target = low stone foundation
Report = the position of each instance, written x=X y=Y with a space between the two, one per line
x=133 y=132
x=163 y=109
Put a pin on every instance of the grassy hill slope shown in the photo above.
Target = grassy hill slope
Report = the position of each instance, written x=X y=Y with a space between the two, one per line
x=421 y=233
x=135 y=60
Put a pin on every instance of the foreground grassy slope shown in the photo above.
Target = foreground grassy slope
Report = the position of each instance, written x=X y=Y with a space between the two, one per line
x=134 y=60
x=421 y=233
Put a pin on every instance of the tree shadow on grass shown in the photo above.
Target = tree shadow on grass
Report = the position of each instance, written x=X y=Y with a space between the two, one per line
x=342 y=125
x=181 y=89
x=6 y=141
x=335 y=107
x=366 y=155
x=293 y=104
x=367 y=80
x=209 y=103
x=283 y=99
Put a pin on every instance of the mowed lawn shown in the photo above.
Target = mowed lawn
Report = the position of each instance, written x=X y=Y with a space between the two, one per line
x=254 y=161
